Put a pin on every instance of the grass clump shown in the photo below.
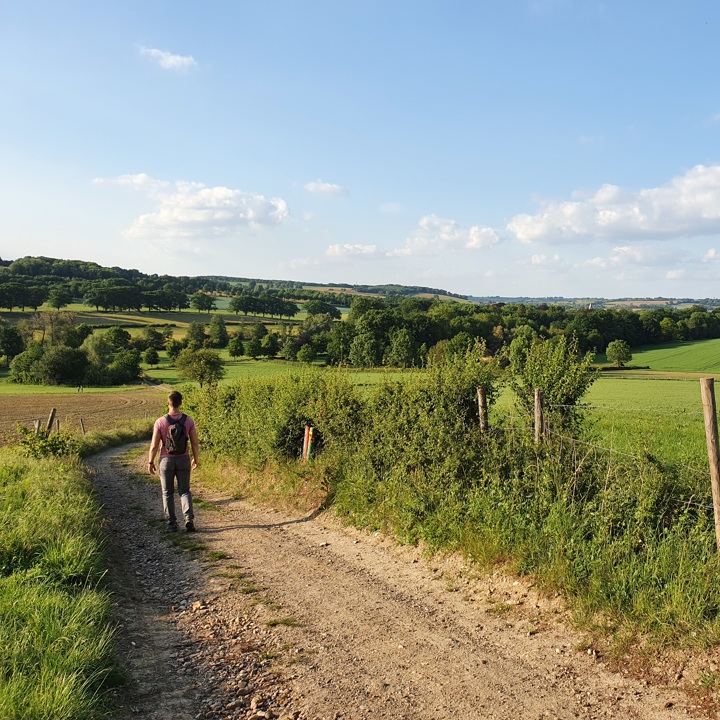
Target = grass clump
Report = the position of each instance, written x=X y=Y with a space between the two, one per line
x=57 y=656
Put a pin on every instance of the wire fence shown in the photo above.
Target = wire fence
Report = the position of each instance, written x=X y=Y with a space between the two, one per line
x=664 y=443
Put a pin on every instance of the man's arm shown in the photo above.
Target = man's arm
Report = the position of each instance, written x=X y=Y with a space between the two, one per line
x=154 y=447
x=195 y=447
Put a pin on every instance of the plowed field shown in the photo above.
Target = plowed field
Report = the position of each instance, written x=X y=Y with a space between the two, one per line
x=99 y=411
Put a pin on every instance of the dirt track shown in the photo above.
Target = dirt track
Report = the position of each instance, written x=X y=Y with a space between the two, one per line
x=301 y=618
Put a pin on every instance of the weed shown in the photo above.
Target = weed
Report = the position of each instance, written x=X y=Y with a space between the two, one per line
x=286 y=621
x=216 y=555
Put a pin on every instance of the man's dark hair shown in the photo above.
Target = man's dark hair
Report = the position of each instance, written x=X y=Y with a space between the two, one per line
x=175 y=399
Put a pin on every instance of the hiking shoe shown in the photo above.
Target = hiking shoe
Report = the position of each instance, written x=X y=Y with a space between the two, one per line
x=172 y=528
x=190 y=526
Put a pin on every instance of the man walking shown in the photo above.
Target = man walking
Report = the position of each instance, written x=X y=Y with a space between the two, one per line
x=171 y=433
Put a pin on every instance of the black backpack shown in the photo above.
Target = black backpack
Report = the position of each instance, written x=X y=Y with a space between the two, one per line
x=177 y=439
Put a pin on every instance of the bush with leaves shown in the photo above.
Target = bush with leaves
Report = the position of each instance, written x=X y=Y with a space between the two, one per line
x=42 y=444
x=558 y=369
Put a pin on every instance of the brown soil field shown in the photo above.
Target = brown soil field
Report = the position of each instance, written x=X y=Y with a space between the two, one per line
x=99 y=411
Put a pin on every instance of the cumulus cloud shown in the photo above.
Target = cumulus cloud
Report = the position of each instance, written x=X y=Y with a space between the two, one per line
x=674 y=274
x=324 y=188
x=169 y=61
x=349 y=250
x=688 y=205
x=435 y=235
x=626 y=255
x=191 y=210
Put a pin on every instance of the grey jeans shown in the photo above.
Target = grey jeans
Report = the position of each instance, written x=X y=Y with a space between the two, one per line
x=170 y=469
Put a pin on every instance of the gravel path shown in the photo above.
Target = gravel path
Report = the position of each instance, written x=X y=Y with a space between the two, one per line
x=261 y=615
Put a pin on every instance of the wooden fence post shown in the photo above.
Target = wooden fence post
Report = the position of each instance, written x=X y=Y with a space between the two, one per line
x=37 y=427
x=82 y=426
x=483 y=410
x=49 y=425
x=707 y=388
x=539 y=420
x=57 y=424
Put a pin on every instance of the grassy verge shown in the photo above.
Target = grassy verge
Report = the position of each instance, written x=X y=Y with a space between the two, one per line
x=57 y=651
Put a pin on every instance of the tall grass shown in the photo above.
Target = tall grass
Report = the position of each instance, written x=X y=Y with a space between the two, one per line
x=56 y=654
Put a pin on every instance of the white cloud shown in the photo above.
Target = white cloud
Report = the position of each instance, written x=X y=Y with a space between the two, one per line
x=167 y=60
x=348 y=250
x=632 y=255
x=324 y=188
x=435 y=235
x=191 y=210
x=711 y=255
x=545 y=261
x=674 y=274
x=140 y=181
x=686 y=206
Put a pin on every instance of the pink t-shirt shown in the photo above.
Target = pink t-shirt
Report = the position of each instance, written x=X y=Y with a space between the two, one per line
x=163 y=426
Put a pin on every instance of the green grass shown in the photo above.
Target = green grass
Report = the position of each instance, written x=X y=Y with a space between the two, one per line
x=663 y=418
x=10 y=388
x=702 y=356
x=57 y=653
x=697 y=357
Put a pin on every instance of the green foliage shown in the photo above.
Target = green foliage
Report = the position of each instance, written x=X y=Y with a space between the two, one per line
x=174 y=348
x=202 y=302
x=42 y=444
x=254 y=347
x=264 y=419
x=60 y=365
x=236 y=347
x=306 y=354
x=618 y=352
x=22 y=366
x=151 y=356
x=196 y=336
x=318 y=307
x=420 y=438
x=557 y=368
x=124 y=368
x=11 y=341
x=218 y=332
x=270 y=345
x=203 y=366
x=118 y=337
x=59 y=297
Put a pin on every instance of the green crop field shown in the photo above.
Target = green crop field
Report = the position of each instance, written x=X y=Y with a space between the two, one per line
x=700 y=357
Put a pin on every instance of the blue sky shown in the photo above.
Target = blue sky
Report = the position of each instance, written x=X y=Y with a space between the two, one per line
x=503 y=147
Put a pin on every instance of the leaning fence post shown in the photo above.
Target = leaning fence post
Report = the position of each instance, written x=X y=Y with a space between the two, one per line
x=483 y=410
x=48 y=427
x=82 y=426
x=539 y=421
x=707 y=388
